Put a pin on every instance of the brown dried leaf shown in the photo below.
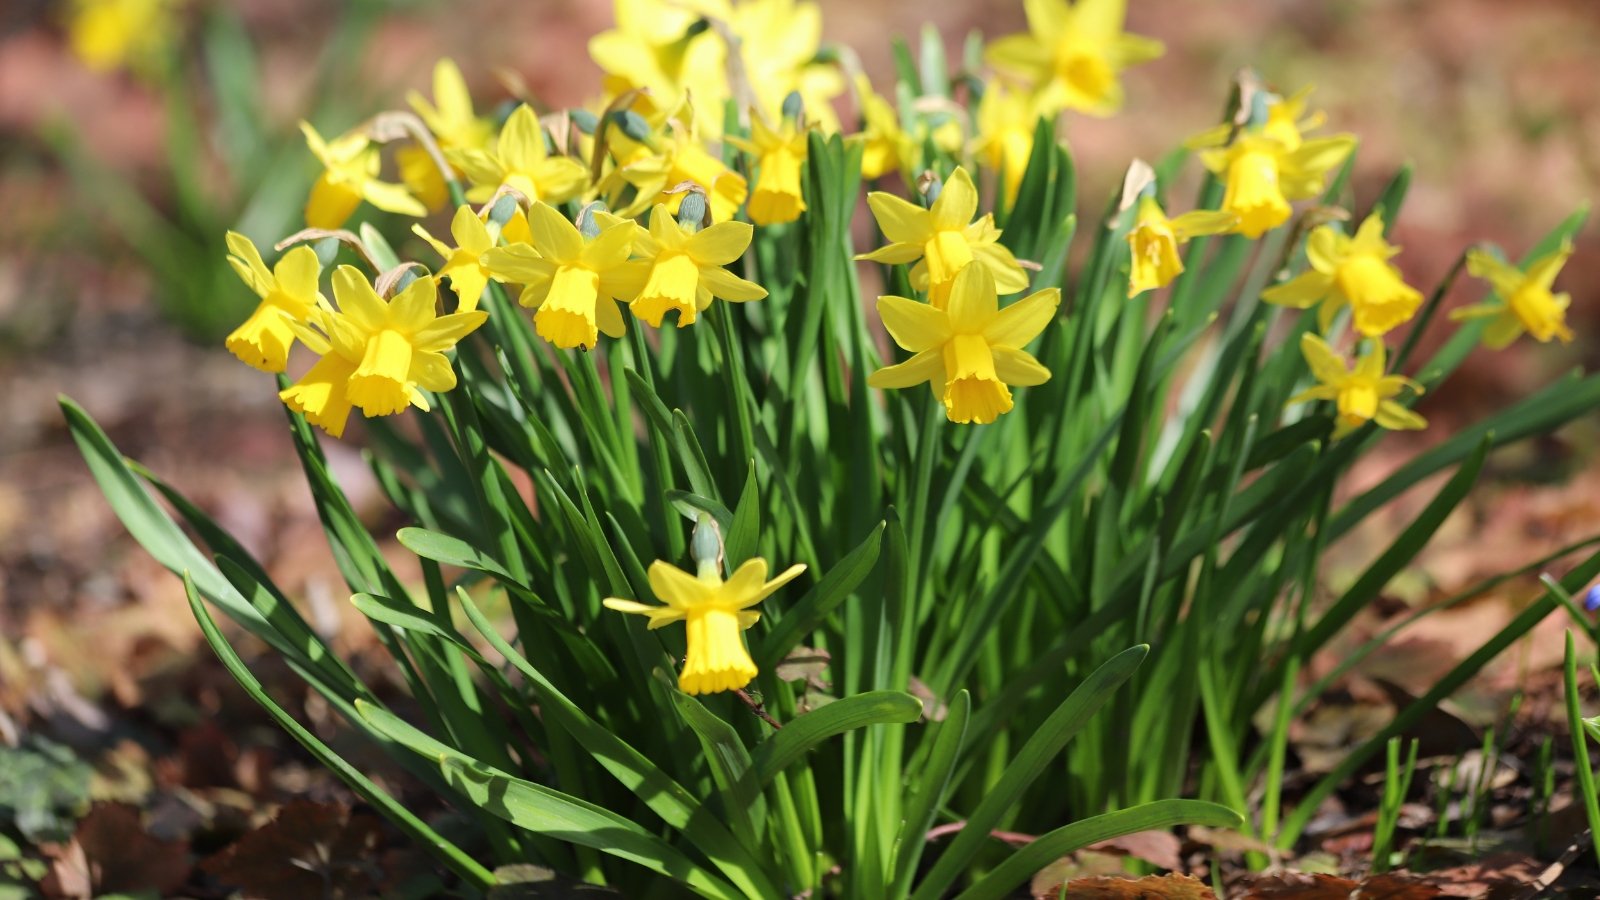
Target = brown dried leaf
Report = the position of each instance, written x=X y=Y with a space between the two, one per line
x=1303 y=886
x=1151 y=887
x=1157 y=847
x=805 y=664
x=111 y=853
x=307 y=850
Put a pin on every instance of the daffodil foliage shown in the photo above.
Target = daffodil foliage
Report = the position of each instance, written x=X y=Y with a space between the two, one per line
x=1049 y=504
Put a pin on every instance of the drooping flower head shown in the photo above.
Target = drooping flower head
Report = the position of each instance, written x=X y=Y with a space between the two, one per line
x=1523 y=301
x=463 y=263
x=519 y=160
x=1269 y=163
x=1362 y=393
x=886 y=146
x=288 y=293
x=682 y=270
x=942 y=239
x=1153 y=242
x=454 y=125
x=377 y=355
x=1354 y=272
x=350 y=174
x=1073 y=53
x=714 y=612
x=780 y=153
x=971 y=351
x=573 y=281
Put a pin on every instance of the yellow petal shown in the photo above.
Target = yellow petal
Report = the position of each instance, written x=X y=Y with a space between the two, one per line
x=957 y=203
x=1395 y=417
x=1018 y=324
x=1018 y=367
x=1326 y=366
x=676 y=587
x=1203 y=222
x=914 y=326
x=924 y=367
x=901 y=221
x=555 y=238
x=1301 y=292
x=521 y=145
x=973 y=302
x=729 y=286
x=412 y=310
x=444 y=332
x=720 y=244
x=357 y=300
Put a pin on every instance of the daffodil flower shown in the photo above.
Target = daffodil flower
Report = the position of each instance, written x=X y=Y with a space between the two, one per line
x=1266 y=167
x=572 y=281
x=1153 y=242
x=519 y=160
x=944 y=238
x=714 y=612
x=114 y=34
x=656 y=48
x=1524 y=302
x=780 y=154
x=350 y=175
x=288 y=292
x=885 y=145
x=970 y=352
x=1354 y=272
x=376 y=355
x=683 y=271
x=778 y=45
x=657 y=176
x=1006 y=123
x=1073 y=53
x=462 y=263
x=454 y=125
x=1361 y=394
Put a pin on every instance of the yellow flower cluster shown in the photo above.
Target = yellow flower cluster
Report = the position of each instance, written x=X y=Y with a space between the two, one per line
x=964 y=346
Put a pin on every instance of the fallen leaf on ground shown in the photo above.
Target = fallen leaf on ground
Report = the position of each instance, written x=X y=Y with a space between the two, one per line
x=110 y=852
x=1151 y=887
x=1304 y=886
x=307 y=850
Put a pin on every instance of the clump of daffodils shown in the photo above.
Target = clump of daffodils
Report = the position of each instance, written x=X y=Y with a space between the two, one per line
x=687 y=180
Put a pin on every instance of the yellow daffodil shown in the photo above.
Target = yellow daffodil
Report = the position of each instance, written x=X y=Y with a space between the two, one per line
x=780 y=154
x=376 y=355
x=115 y=34
x=1524 y=302
x=1006 y=123
x=520 y=161
x=659 y=48
x=572 y=281
x=1072 y=54
x=971 y=351
x=462 y=263
x=714 y=612
x=657 y=176
x=1267 y=166
x=1361 y=394
x=778 y=43
x=886 y=147
x=1153 y=242
x=288 y=292
x=682 y=270
x=350 y=175
x=944 y=238
x=1354 y=272
x=454 y=126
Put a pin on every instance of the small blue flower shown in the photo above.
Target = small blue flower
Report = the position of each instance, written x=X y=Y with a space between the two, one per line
x=1591 y=600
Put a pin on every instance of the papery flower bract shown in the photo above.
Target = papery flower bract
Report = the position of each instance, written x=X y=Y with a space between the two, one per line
x=454 y=125
x=573 y=282
x=288 y=292
x=780 y=154
x=1072 y=54
x=683 y=271
x=885 y=145
x=519 y=160
x=971 y=351
x=115 y=34
x=1354 y=272
x=1153 y=242
x=714 y=612
x=1007 y=120
x=462 y=263
x=350 y=175
x=944 y=238
x=1360 y=394
x=1524 y=302
x=1266 y=167
x=376 y=354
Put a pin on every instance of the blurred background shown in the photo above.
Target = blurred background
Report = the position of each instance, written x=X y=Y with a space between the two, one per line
x=123 y=162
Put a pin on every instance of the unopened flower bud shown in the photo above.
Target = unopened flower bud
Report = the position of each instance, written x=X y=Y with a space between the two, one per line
x=692 y=212
x=584 y=120
x=705 y=544
x=326 y=249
